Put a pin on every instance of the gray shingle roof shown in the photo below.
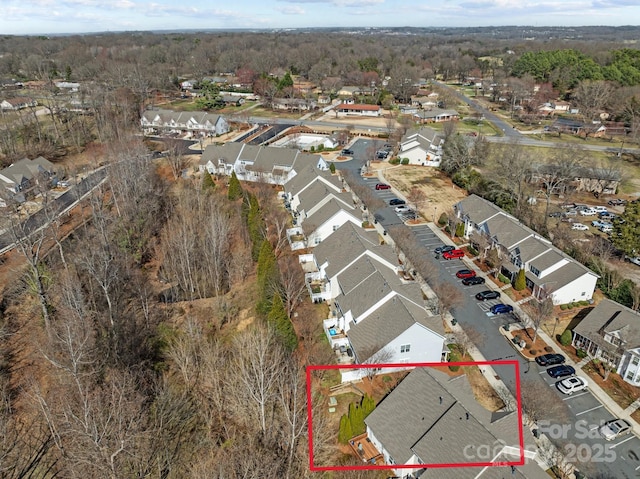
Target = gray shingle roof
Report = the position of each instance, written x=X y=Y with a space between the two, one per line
x=385 y=324
x=324 y=214
x=403 y=417
x=547 y=260
x=229 y=152
x=530 y=248
x=319 y=192
x=613 y=317
x=478 y=209
x=308 y=175
x=507 y=230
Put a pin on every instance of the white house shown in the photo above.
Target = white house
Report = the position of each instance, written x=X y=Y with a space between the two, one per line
x=191 y=124
x=344 y=109
x=324 y=221
x=422 y=147
x=258 y=163
x=548 y=270
x=611 y=332
x=305 y=179
x=17 y=103
x=430 y=418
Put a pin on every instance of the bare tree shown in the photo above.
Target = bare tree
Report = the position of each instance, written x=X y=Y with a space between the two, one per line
x=513 y=164
x=292 y=283
x=591 y=98
x=538 y=403
x=417 y=197
x=539 y=310
x=175 y=158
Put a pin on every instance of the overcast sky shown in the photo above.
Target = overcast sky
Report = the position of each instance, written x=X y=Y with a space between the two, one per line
x=78 y=16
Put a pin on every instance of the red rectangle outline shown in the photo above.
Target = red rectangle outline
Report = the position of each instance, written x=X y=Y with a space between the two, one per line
x=321 y=367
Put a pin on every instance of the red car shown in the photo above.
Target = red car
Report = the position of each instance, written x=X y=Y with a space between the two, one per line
x=465 y=273
x=382 y=186
x=453 y=254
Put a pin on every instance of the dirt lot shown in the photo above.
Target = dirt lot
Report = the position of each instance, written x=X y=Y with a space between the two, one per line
x=442 y=194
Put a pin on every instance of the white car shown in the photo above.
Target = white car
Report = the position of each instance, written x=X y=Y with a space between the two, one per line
x=403 y=209
x=580 y=227
x=572 y=385
x=588 y=212
x=615 y=428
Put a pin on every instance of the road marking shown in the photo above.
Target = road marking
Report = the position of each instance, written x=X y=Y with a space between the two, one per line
x=589 y=410
x=542 y=372
x=622 y=442
x=575 y=396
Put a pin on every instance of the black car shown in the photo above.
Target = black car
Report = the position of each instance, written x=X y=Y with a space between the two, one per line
x=485 y=295
x=346 y=151
x=561 y=371
x=444 y=249
x=397 y=202
x=473 y=281
x=550 y=359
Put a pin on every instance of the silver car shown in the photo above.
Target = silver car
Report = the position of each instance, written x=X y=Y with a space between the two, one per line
x=613 y=429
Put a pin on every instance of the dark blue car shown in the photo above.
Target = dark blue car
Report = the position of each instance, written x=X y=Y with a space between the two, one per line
x=501 y=308
x=561 y=371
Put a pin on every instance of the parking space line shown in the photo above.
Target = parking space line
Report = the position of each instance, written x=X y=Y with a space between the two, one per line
x=542 y=372
x=622 y=442
x=589 y=410
x=571 y=396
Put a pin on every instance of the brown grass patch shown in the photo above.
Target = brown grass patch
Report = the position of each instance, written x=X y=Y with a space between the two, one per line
x=623 y=393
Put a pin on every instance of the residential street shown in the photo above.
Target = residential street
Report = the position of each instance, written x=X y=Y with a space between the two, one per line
x=571 y=424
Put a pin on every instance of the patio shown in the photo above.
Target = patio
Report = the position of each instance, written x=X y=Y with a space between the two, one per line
x=363 y=448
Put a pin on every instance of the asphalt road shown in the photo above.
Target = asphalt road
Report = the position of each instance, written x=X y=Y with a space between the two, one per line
x=573 y=422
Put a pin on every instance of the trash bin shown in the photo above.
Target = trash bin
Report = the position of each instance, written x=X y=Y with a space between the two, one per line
x=454 y=321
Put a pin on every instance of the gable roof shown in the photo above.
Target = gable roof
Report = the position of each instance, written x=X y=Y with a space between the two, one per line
x=611 y=316
x=228 y=152
x=348 y=243
x=310 y=174
x=319 y=191
x=324 y=214
x=387 y=323
x=477 y=209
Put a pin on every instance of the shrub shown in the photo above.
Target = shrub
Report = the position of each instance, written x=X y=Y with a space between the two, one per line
x=583 y=303
x=503 y=279
x=563 y=307
x=533 y=351
x=575 y=304
x=570 y=306
x=520 y=283
x=473 y=251
x=394 y=161
x=447 y=229
x=320 y=147
x=405 y=161
x=565 y=338
x=332 y=168
x=460 y=230
x=443 y=219
x=548 y=349
x=312 y=149
x=581 y=353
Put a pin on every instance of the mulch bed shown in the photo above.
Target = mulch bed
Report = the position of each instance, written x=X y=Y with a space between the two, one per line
x=623 y=393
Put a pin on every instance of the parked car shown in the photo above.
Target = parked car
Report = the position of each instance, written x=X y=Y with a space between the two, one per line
x=572 y=385
x=382 y=186
x=570 y=213
x=599 y=209
x=453 y=254
x=550 y=359
x=579 y=227
x=501 y=308
x=473 y=281
x=606 y=215
x=588 y=212
x=617 y=202
x=633 y=259
x=465 y=273
x=598 y=223
x=487 y=294
x=403 y=209
x=396 y=202
x=555 y=214
x=561 y=371
x=347 y=151
x=382 y=154
x=615 y=428
x=444 y=248
x=606 y=228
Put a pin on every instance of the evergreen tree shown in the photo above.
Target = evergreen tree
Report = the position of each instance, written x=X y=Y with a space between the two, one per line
x=521 y=282
x=344 y=433
x=332 y=168
x=235 y=188
x=626 y=230
x=285 y=82
x=207 y=182
x=279 y=319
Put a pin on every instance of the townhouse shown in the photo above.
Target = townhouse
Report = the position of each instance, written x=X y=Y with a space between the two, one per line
x=189 y=123
x=422 y=146
x=548 y=270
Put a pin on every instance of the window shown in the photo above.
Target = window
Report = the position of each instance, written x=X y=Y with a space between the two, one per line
x=535 y=271
x=405 y=348
x=629 y=375
x=335 y=227
x=635 y=360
